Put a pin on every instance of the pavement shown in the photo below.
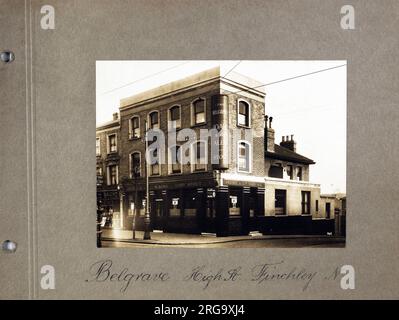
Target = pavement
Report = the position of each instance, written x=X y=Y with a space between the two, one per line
x=176 y=239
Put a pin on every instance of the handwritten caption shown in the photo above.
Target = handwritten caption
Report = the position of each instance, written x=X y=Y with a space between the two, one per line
x=205 y=276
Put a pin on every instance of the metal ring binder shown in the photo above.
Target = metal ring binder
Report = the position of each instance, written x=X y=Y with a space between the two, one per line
x=7 y=56
x=9 y=246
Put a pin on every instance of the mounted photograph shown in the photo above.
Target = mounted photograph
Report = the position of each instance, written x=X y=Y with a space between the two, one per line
x=221 y=154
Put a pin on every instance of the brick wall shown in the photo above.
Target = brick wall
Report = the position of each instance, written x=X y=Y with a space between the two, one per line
x=257 y=132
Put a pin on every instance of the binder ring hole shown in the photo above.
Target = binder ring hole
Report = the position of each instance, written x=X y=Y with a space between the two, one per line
x=7 y=56
x=9 y=246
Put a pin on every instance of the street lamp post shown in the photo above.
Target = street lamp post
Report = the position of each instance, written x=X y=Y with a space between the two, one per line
x=136 y=173
x=147 y=219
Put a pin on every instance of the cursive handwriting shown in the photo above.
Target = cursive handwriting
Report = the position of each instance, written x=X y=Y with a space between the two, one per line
x=202 y=274
x=276 y=271
x=102 y=271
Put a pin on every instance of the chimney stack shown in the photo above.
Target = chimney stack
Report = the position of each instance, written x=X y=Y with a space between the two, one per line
x=288 y=143
x=115 y=116
x=269 y=134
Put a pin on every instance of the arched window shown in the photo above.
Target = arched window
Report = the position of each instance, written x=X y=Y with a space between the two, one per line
x=153 y=120
x=199 y=156
x=134 y=126
x=174 y=117
x=198 y=111
x=175 y=163
x=243 y=113
x=135 y=164
x=244 y=156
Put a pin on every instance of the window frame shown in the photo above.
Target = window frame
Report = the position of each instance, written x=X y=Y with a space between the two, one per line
x=149 y=119
x=249 y=113
x=99 y=168
x=109 y=175
x=299 y=170
x=131 y=133
x=131 y=162
x=192 y=112
x=99 y=147
x=151 y=166
x=109 y=145
x=194 y=154
x=170 y=118
x=170 y=164
x=306 y=204
x=249 y=157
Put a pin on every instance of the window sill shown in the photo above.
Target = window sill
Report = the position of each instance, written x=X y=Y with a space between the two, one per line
x=175 y=173
x=198 y=124
x=199 y=171
x=243 y=126
x=174 y=129
x=134 y=138
x=247 y=172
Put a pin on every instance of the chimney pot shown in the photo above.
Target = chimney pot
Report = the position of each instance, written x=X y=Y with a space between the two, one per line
x=115 y=116
x=292 y=137
x=270 y=123
x=288 y=138
x=283 y=138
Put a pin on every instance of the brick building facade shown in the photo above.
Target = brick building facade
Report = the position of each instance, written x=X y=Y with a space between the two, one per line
x=249 y=184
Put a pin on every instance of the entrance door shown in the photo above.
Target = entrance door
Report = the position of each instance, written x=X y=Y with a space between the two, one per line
x=328 y=210
x=280 y=202
x=158 y=217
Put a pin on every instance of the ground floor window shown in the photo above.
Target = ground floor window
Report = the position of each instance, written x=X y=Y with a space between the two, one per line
x=305 y=202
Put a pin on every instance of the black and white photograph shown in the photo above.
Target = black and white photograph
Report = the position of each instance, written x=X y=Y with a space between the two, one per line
x=221 y=154
x=199 y=158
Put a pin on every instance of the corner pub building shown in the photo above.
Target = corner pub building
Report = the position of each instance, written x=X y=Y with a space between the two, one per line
x=256 y=185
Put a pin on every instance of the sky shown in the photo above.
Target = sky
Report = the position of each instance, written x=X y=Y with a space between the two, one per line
x=311 y=107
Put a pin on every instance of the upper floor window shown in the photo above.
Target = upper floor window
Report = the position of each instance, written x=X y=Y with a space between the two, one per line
x=112 y=175
x=155 y=170
x=243 y=114
x=299 y=173
x=112 y=143
x=135 y=164
x=175 y=162
x=98 y=149
x=244 y=158
x=174 y=117
x=198 y=111
x=290 y=172
x=199 y=156
x=134 y=126
x=153 y=120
